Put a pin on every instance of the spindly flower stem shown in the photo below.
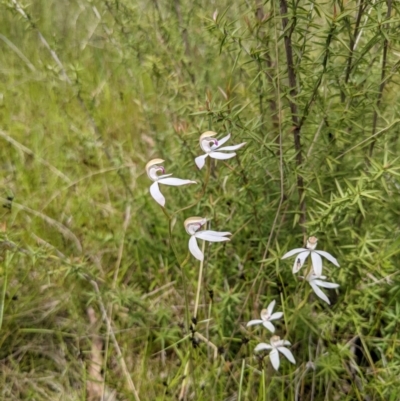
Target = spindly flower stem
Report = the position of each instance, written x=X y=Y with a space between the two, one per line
x=196 y=305
x=185 y=382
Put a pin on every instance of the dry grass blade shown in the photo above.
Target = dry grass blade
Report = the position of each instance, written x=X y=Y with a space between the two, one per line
x=121 y=359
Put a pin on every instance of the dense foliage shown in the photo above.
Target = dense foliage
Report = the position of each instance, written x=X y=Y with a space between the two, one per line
x=96 y=295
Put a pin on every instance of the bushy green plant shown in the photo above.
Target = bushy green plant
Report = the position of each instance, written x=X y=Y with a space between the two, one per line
x=97 y=295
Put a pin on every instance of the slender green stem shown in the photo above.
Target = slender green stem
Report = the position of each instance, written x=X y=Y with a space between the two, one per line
x=264 y=390
x=3 y=295
x=241 y=380
x=196 y=305
x=185 y=382
x=208 y=321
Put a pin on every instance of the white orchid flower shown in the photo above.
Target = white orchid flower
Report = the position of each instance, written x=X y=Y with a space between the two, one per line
x=152 y=169
x=316 y=282
x=211 y=146
x=315 y=256
x=266 y=317
x=192 y=225
x=276 y=345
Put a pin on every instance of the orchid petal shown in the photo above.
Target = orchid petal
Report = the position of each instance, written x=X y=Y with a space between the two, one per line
x=222 y=156
x=325 y=284
x=233 y=147
x=319 y=293
x=274 y=357
x=163 y=176
x=217 y=233
x=293 y=252
x=156 y=194
x=287 y=353
x=271 y=307
x=262 y=346
x=317 y=263
x=269 y=326
x=254 y=322
x=223 y=140
x=194 y=248
x=328 y=256
x=212 y=236
x=276 y=315
x=299 y=261
x=200 y=161
x=176 y=182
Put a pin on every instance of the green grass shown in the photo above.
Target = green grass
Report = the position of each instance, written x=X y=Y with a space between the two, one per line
x=80 y=235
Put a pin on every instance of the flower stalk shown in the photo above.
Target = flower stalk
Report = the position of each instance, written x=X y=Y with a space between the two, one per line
x=200 y=279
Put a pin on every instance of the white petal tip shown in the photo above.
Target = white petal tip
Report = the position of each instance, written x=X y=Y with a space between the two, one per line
x=156 y=194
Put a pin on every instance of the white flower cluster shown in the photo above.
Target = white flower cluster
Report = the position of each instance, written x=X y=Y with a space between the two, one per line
x=314 y=275
x=193 y=226
x=275 y=345
x=315 y=278
x=211 y=146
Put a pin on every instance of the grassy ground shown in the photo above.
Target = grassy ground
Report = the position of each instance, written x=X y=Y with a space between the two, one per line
x=97 y=298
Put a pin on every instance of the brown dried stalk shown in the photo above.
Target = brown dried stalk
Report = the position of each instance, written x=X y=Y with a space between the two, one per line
x=294 y=112
x=383 y=81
